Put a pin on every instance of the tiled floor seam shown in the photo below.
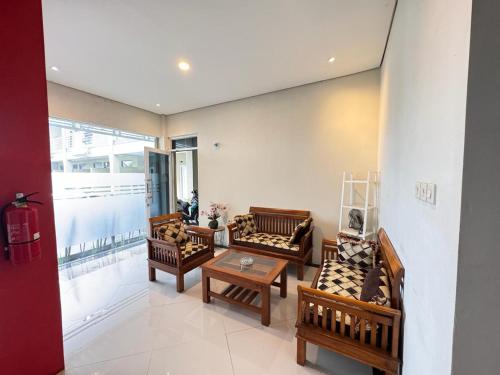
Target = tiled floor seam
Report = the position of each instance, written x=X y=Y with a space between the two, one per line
x=107 y=360
x=230 y=356
x=149 y=362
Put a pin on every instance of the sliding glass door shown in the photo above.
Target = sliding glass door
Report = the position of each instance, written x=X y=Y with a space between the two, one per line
x=157 y=177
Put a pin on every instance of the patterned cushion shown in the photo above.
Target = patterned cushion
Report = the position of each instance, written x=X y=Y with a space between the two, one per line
x=356 y=252
x=341 y=279
x=172 y=232
x=246 y=224
x=345 y=280
x=274 y=240
x=300 y=230
x=189 y=248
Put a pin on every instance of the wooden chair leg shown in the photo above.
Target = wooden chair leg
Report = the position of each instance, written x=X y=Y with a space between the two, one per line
x=301 y=351
x=300 y=271
x=180 y=282
x=152 y=274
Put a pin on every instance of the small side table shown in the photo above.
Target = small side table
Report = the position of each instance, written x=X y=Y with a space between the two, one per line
x=219 y=236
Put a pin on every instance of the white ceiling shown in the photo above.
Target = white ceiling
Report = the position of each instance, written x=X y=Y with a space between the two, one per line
x=128 y=50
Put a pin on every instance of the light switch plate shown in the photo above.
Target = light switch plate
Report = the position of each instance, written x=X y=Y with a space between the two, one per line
x=431 y=193
x=417 y=190
x=423 y=191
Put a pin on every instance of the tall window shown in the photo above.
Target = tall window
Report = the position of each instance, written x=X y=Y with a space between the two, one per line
x=98 y=188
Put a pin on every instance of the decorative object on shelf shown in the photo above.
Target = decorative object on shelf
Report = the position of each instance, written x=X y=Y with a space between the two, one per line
x=215 y=210
x=356 y=220
x=358 y=205
x=246 y=262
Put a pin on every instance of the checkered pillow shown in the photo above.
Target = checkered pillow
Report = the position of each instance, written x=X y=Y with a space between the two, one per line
x=300 y=230
x=246 y=224
x=357 y=253
x=173 y=232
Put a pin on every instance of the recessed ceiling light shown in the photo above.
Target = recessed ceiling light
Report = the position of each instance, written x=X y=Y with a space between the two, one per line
x=54 y=68
x=157 y=104
x=331 y=59
x=184 y=66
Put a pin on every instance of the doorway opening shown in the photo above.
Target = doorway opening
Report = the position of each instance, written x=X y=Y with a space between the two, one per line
x=185 y=161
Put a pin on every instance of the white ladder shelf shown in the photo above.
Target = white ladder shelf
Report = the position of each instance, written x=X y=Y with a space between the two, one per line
x=368 y=204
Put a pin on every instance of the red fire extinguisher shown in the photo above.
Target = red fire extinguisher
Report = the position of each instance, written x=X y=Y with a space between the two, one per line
x=21 y=229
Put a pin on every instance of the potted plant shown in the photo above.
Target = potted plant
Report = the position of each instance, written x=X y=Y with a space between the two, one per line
x=215 y=210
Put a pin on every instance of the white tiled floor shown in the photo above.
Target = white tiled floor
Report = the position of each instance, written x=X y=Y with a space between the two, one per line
x=158 y=331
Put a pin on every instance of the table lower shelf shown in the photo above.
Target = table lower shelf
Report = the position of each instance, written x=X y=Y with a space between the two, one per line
x=239 y=295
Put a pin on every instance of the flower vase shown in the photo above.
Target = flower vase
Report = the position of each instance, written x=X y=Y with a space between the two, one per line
x=213 y=224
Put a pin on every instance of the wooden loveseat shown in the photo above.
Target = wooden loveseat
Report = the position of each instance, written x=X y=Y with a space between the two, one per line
x=178 y=258
x=274 y=227
x=364 y=331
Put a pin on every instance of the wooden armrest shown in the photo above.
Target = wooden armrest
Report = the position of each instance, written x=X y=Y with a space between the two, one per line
x=233 y=232
x=329 y=250
x=370 y=307
x=201 y=235
x=199 y=230
x=163 y=243
x=168 y=246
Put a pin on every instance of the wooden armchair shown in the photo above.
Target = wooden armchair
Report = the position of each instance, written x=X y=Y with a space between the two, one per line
x=175 y=258
x=363 y=331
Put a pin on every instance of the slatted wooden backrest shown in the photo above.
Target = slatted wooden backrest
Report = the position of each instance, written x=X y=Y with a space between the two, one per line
x=277 y=220
x=393 y=265
x=163 y=219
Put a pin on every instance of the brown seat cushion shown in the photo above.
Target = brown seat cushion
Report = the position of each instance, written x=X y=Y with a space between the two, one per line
x=348 y=281
x=190 y=248
x=277 y=241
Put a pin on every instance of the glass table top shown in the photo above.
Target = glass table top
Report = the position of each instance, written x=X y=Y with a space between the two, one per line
x=260 y=267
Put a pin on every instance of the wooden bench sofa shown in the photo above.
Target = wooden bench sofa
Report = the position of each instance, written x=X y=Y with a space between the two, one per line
x=274 y=227
x=363 y=331
x=175 y=257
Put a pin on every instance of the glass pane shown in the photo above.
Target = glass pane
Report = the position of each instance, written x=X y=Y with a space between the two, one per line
x=98 y=189
x=189 y=142
x=261 y=266
x=158 y=171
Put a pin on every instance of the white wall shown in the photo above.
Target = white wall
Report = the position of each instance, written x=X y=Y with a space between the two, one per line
x=423 y=96
x=286 y=149
x=71 y=104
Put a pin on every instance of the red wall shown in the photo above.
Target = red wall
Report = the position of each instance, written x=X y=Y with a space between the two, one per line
x=30 y=310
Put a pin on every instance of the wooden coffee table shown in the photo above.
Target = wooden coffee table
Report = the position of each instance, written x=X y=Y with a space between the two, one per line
x=245 y=285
